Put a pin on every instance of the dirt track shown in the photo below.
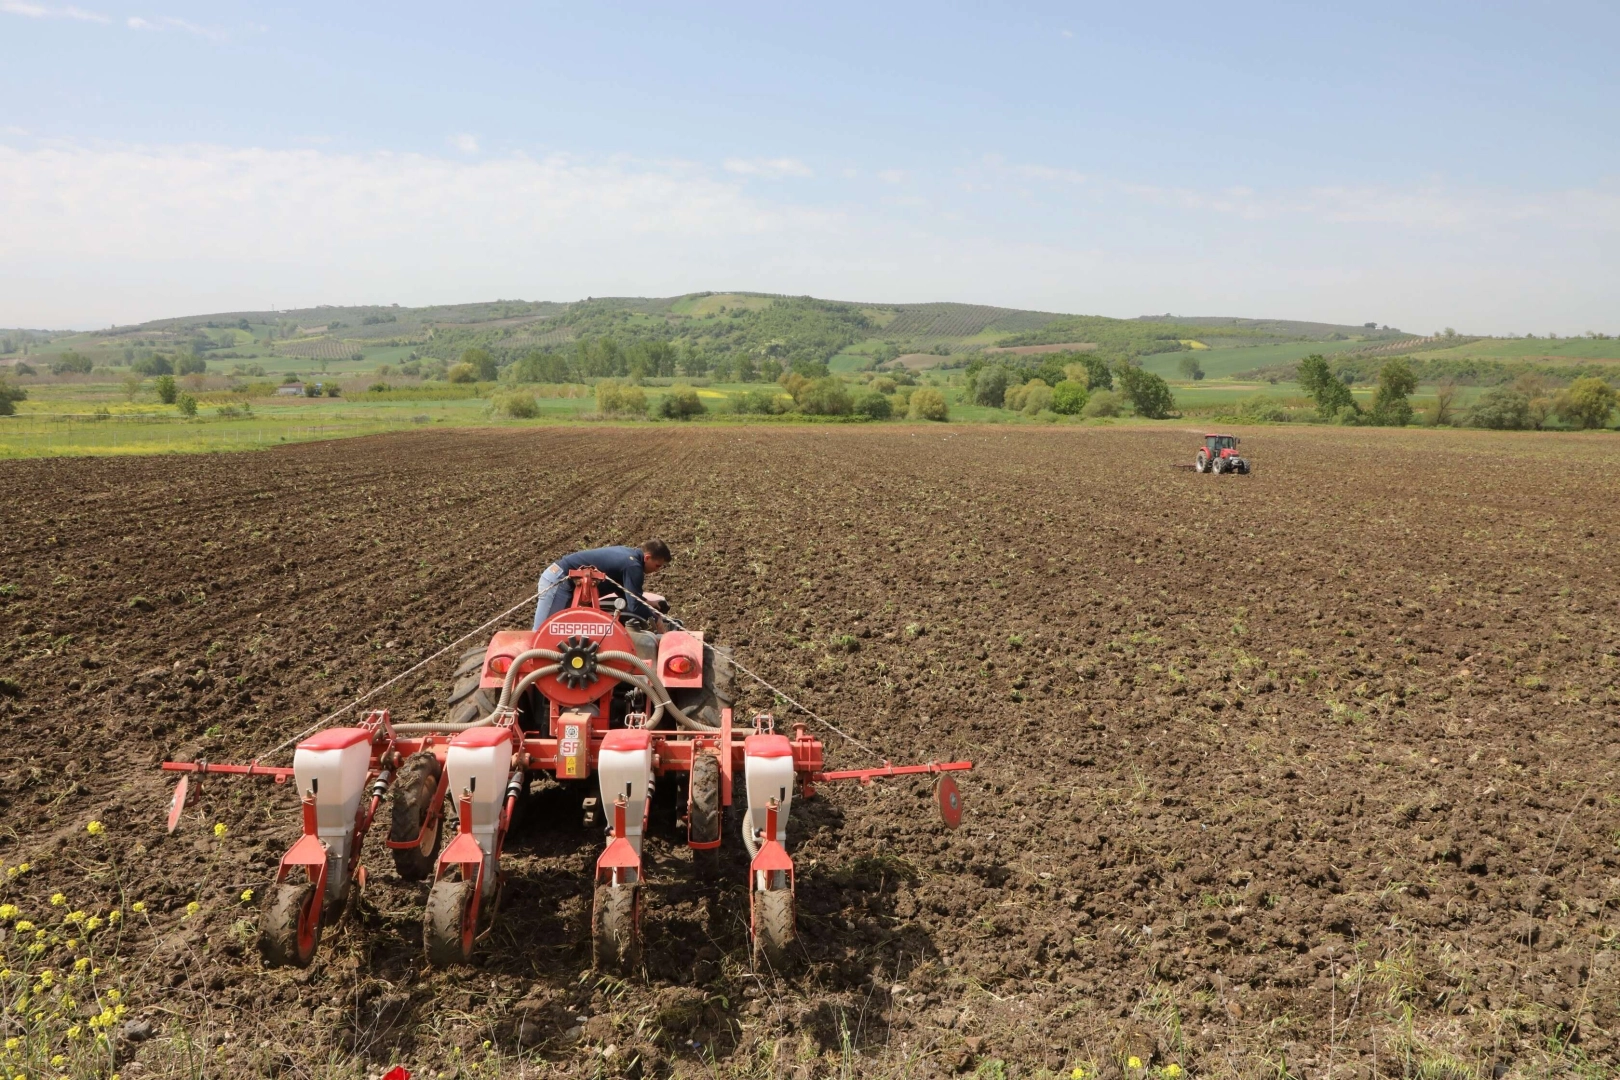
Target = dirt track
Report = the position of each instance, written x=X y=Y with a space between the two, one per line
x=1315 y=766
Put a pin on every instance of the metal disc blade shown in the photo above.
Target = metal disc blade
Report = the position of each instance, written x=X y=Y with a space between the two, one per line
x=950 y=802
x=178 y=805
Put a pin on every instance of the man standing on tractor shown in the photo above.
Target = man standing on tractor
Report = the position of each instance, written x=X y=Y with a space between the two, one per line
x=626 y=567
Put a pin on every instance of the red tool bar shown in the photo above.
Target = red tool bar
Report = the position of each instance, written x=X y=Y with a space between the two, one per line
x=866 y=776
x=281 y=775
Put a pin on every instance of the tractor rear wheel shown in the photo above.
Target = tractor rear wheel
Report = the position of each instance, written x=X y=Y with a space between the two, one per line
x=290 y=929
x=615 y=928
x=468 y=700
x=775 y=928
x=414 y=788
x=448 y=927
x=1201 y=463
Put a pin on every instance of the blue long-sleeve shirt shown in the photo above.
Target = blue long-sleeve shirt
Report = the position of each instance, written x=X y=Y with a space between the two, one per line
x=623 y=566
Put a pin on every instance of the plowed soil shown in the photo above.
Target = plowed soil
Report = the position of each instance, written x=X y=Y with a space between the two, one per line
x=1309 y=773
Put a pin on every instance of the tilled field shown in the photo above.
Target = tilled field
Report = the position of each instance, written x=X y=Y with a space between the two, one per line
x=1306 y=773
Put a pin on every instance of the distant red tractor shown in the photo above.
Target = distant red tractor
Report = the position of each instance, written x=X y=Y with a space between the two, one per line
x=1219 y=454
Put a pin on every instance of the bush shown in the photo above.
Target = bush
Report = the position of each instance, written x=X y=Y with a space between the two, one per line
x=884 y=385
x=681 y=403
x=378 y=388
x=1148 y=394
x=615 y=398
x=825 y=397
x=757 y=403
x=10 y=394
x=462 y=373
x=191 y=365
x=928 y=404
x=874 y=407
x=24 y=368
x=186 y=404
x=72 y=363
x=166 y=388
x=1263 y=408
x=1037 y=398
x=1069 y=397
x=1502 y=409
x=312 y=389
x=519 y=406
x=1190 y=367
x=539 y=367
x=1102 y=403
x=333 y=389
x=1016 y=397
x=1587 y=403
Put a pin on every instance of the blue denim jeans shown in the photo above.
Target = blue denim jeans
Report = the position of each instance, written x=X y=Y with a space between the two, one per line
x=556 y=593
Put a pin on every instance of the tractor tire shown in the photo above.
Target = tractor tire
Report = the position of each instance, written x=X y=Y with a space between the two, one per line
x=469 y=701
x=414 y=789
x=719 y=684
x=289 y=931
x=775 y=929
x=1219 y=466
x=1200 y=463
x=447 y=925
x=704 y=825
x=615 y=933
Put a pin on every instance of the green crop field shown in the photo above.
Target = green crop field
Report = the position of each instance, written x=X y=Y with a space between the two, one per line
x=1221 y=362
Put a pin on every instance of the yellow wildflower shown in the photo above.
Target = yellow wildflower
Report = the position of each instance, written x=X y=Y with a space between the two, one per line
x=73 y=943
x=138 y=907
x=74 y=917
x=220 y=831
x=6 y=973
x=247 y=896
x=36 y=948
x=13 y=1042
x=115 y=916
x=58 y=1060
x=1172 y=1070
x=47 y=977
x=93 y=923
x=8 y=912
x=23 y=868
x=81 y=963
x=1135 y=1062
x=120 y=1010
x=23 y=926
x=113 y=994
x=95 y=828
x=1077 y=1073
x=57 y=899
x=75 y=1031
x=192 y=909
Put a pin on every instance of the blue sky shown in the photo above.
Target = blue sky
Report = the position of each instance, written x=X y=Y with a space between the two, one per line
x=1419 y=164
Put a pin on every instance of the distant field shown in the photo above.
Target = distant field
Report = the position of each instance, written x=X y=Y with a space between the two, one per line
x=699 y=306
x=1561 y=350
x=1220 y=363
x=1039 y=350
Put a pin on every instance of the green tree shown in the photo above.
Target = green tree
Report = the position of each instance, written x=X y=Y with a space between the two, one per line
x=681 y=403
x=1587 y=403
x=166 y=388
x=481 y=362
x=928 y=404
x=1069 y=397
x=72 y=363
x=874 y=406
x=10 y=394
x=192 y=365
x=1503 y=408
x=1396 y=382
x=1098 y=376
x=186 y=404
x=462 y=373
x=614 y=398
x=1148 y=394
x=1323 y=387
x=132 y=386
x=990 y=386
x=1190 y=367
x=825 y=397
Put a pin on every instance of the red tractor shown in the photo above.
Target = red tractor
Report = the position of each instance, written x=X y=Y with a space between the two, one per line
x=606 y=706
x=1219 y=454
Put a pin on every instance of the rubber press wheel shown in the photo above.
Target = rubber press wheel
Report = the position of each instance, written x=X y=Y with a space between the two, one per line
x=289 y=931
x=615 y=935
x=414 y=789
x=447 y=925
x=775 y=928
x=469 y=701
x=705 y=799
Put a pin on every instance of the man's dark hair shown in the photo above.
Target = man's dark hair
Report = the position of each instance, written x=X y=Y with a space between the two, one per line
x=658 y=550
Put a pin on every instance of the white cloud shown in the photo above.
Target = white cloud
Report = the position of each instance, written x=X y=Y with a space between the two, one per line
x=892 y=176
x=1067 y=33
x=40 y=11
x=768 y=168
x=169 y=22
x=467 y=144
